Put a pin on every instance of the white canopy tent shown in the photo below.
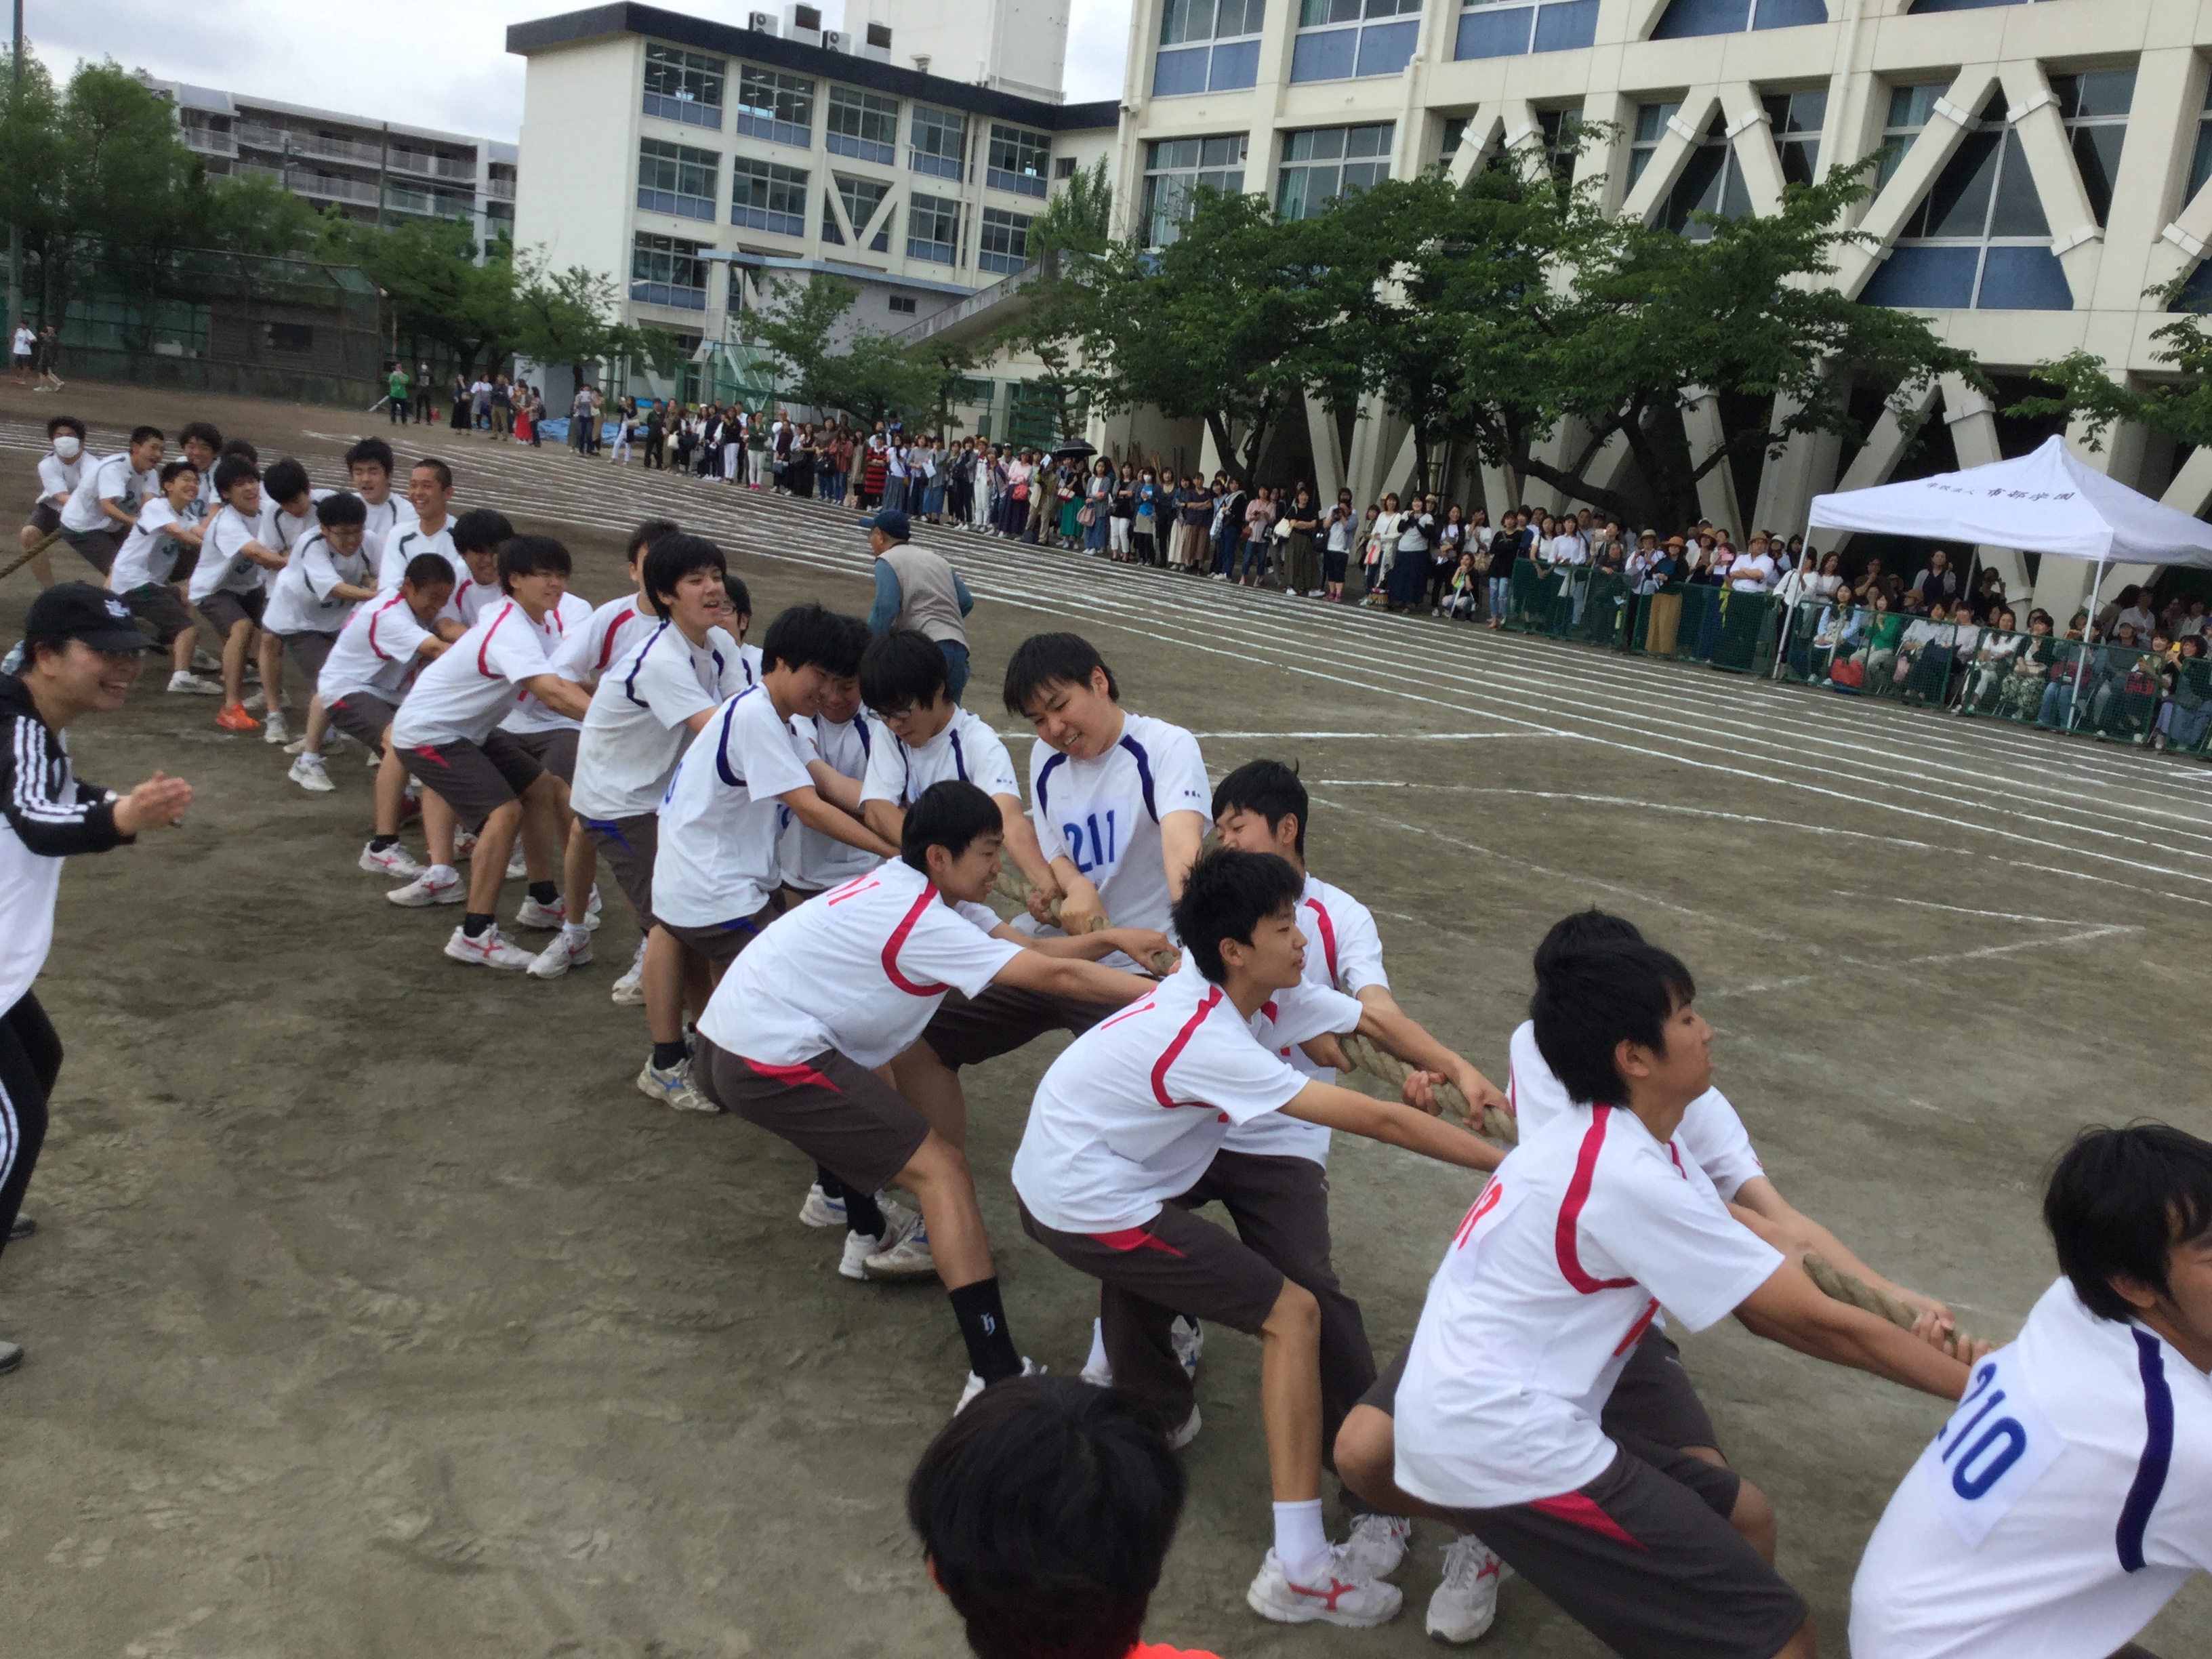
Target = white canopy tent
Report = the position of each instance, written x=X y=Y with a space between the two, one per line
x=2047 y=503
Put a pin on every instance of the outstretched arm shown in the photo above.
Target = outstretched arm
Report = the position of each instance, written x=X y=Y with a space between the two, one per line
x=1058 y=975
x=1392 y=1124
x=1796 y=1235
x=1790 y=1309
x=816 y=813
x=1387 y=1025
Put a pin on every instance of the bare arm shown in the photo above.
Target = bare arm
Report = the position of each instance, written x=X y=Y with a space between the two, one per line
x=1389 y=1027
x=816 y=813
x=1080 y=900
x=1181 y=836
x=1788 y=1309
x=1020 y=844
x=350 y=593
x=432 y=648
x=885 y=818
x=1392 y=1124
x=1069 y=976
x=1796 y=1234
x=561 y=696
x=1137 y=944
x=129 y=521
x=833 y=786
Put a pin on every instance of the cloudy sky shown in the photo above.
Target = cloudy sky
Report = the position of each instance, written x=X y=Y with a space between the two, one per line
x=427 y=62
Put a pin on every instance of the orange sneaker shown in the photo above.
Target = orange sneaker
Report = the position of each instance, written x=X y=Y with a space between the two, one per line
x=236 y=718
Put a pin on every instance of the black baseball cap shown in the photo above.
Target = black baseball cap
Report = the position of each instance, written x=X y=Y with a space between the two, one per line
x=78 y=611
x=892 y=522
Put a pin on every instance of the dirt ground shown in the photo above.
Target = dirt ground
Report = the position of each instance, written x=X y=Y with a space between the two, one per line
x=373 y=1312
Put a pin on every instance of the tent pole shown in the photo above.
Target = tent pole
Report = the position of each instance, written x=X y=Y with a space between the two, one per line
x=2081 y=662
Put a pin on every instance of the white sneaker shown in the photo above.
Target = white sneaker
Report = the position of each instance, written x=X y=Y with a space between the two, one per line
x=188 y=685
x=206 y=662
x=534 y=914
x=903 y=1256
x=273 y=730
x=310 y=774
x=672 y=1088
x=629 y=991
x=1333 y=1595
x=1189 y=1433
x=297 y=746
x=974 y=1383
x=518 y=867
x=394 y=861
x=1466 y=1602
x=426 y=890
x=821 y=1209
x=1378 y=1545
x=559 y=957
x=465 y=843
x=1188 y=1338
x=490 y=949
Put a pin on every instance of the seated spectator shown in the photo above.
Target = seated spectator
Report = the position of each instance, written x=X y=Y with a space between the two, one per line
x=1836 y=634
x=2055 y=711
x=1991 y=665
x=2021 y=698
x=2187 y=709
x=1922 y=663
x=2192 y=622
x=1461 y=594
x=1884 y=630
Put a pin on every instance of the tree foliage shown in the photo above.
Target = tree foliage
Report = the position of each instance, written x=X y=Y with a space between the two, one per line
x=575 y=316
x=869 y=376
x=2094 y=400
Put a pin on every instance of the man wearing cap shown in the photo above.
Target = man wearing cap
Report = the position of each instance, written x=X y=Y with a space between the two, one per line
x=917 y=588
x=82 y=655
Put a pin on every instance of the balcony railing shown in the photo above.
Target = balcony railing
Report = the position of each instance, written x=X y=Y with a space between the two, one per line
x=323 y=148
x=426 y=166
x=329 y=186
x=428 y=203
x=499 y=190
x=206 y=141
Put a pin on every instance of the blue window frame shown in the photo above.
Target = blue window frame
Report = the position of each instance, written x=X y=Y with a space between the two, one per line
x=1322 y=163
x=666 y=270
x=936 y=141
x=684 y=86
x=861 y=197
x=777 y=107
x=1003 y=244
x=676 y=179
x=932 y=229
x=1505 y=28
x=767 y=197
x=1348 y=39
x=1686 y=18
x=861 y=126
x=1208 y=45
x=1018 y=159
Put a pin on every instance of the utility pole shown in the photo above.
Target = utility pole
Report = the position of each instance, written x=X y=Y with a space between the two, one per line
x=14 y=235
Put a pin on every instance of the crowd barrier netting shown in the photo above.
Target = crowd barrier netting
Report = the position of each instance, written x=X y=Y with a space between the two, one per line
x=1689 y=623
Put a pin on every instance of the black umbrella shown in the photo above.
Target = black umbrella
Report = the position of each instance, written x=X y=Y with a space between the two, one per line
x=1075 y=449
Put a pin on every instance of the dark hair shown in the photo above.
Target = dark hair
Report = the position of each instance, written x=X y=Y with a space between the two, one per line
x=285 y=481
x=949 y=814
x=669 y=558
x=642 y=538
x=1581 y=930
x=2117 y=1202
x=206 y=431
x=1227 y=895
x=480 y=529
x=231 y=472
x=342 y=508
x=904 y=668
x=239 y=447
x=1042 y=659
x=1267 y=787
x=71 y=422
x=430 y=570
x=172 y=471
x=741 y=597
x=374 y=451
x=808 y=636
x=1592 y=999
x=140 y=434
x=438 y=470
x=1045 y=1510
x=531 y=556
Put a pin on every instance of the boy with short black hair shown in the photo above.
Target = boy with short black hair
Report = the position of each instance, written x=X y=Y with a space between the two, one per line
x=377 y=655
x=368 y=468
x=793 y=1036
x=715 y=869
x=141 y=576
x=2069 y=1497
x=835 y=745
x=477 y=535
x=327 y=575
x=287 y=517
x=1122 y=1145
x=429 y=492
x=60 y=471
x=227 y=584
x=105 y=504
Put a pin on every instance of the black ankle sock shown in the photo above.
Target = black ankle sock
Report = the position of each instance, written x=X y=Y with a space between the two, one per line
x=991 y=1353
x=473 y=924
x=382 y=843
x=544 y=891
x=863 y=1215
x=831 y=1186
x=665 y=1055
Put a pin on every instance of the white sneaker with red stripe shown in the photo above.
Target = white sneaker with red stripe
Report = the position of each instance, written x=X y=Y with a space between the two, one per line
x=533 y=914
x=560 y=956
x=429 y=888
x=1333 y=1594
x=1376 y=1547
x=393 y=861
x=490 y=949
x=1466 y=1602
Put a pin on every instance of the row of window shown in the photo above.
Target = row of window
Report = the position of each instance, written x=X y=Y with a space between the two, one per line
x=688 y=88
x=678 y=180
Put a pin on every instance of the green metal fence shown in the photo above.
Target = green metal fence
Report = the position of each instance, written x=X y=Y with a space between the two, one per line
x=1711 y=625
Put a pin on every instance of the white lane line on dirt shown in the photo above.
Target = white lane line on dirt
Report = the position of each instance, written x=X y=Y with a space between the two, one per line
x=2081 y=937
x=1625 y=800
x=1964 y=909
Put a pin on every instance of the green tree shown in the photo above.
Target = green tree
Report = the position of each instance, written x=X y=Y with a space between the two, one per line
x=431 y=280
x=870 y=376
x=2091 y=397
x=250 y=213
x=574 y=317
x=1077 y=220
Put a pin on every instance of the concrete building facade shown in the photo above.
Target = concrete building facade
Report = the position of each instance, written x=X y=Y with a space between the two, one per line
x=705 y=164
x=2052 y=165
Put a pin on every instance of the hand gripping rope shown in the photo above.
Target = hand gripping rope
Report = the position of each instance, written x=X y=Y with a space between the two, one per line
x=1840 y=1286
x=1011 y=887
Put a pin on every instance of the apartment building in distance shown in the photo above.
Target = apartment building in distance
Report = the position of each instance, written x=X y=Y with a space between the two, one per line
x=378 y=172
x=707 y=164
x=2052 y=163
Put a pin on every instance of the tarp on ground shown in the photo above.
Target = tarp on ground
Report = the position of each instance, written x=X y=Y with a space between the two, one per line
x=2049 y=501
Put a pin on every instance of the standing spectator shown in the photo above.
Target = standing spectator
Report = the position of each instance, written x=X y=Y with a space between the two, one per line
x=1194 y=510
x=1444 y=557
x=1336 y=558
x=47 y=359
x=656 y=437
x=1301 y=554
x=1753 y=570
x=895 y=471
x=81 y=654
x=1258 y=527
x=1407 y=579
x=932 y=467
x=1938 y=581
x=536 y=418
x=1505 y=547
x=19 y=352
x=425 y=394
x=687 y=440
x=502 y=406
x=1122 y=515
x=1145 y=522
x=875 y=469
x=1097 y=511
x=919 y=589
x=396 y=383
x=458 y=392
x=480 y=404
x=805 y=457
x=625 y=422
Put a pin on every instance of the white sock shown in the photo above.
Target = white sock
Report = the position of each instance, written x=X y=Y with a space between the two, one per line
x=574 y=932
x=1097 y=1361
x=1300 y=1544
x=438 y=872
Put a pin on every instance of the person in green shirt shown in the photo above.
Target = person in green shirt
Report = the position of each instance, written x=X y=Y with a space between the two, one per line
x=396 y=384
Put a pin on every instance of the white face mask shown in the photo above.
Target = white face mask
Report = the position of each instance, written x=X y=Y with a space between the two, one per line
x=66 y=447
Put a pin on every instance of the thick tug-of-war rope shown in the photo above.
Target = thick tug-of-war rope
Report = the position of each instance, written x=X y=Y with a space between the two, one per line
x=1011 y=887
x=18 y=562
x=1366 y=1057
x=1835 y=1283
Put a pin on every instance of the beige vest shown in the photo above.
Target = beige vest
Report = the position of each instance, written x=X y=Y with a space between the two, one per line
x=927 y=599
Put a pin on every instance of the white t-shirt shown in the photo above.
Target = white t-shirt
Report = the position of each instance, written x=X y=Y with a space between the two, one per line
x=966 y=749
x=634 y=731
x=23 y=342
x=1567 y=550
x=858 y=969
x=58 y=477
x=810 y=859
x=385 y=519
x=147 y=556
x=472 y=598
x=222 y=567
x=528 y=713
x=1585 y=1229
x=301 y=599
x=463 y=696
x=409 y=542
x=2066 y=1499
x=1105 y=816
x=1752 y=573
x=720 y=817
x=374 y=652
x=1710 y=1132
x=587 y=653
x=109 y=479
x=1133 y=1112
x=1344 y=952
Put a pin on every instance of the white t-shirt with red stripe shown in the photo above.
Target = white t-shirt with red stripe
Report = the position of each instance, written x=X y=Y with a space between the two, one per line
x=1552 y=1279
x=1133 y=1112
x=858 y=969
x=1344 y=952
x=374 y=652
x=1710 y=1133
x=529 y=714
x=588 y=652
x=463 y=696
x=472 y=598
